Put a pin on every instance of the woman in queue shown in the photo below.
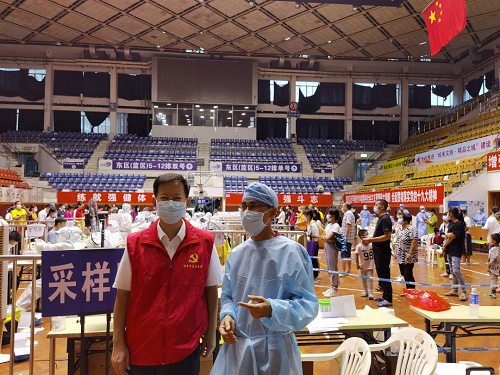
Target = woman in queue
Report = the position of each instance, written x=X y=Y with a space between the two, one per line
x=406 y=248
x=331 y=252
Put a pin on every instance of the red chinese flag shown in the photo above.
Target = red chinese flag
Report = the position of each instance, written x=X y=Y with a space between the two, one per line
x=445 y=19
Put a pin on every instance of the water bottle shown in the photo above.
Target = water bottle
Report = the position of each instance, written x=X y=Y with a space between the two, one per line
x=474 y=303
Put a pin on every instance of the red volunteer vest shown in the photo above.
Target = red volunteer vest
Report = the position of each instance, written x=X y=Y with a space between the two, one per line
x=167 y=307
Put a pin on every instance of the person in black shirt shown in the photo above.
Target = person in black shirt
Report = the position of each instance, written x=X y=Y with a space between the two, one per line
x=453 y=247
x=381 y=245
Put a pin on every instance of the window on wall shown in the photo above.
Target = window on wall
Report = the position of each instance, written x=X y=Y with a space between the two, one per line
x=439 y=100
x=372 y=85
x=271 y=85
x=479 y=82
x=39 y=74
x=307 y=88
x=87 y=127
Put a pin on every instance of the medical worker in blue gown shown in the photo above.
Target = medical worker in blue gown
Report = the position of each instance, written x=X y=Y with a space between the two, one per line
x=480 y=217
x=365 y=217
x=267 y=292
x=421 y=224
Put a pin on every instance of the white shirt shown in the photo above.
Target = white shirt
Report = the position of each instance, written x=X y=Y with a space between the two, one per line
x=281 y=218
x=42 y=216
x=468 y=223
x=492 y=226
x=124 y=276
x=8 y=216
x=313 y=230
x=335 y=228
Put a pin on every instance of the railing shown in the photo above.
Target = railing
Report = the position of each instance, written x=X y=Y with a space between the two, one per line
x=34 y=259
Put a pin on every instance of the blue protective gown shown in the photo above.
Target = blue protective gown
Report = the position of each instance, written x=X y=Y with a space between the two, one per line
x=365 y=219
x=405 y=211
x=421 y=224
x=280 y=270
x=480 y=219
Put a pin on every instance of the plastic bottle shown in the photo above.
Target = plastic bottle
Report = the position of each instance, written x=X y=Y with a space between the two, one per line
x=474 y=303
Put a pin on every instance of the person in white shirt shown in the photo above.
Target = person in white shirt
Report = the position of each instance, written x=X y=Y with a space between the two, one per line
x=493 y=223
x=365 y=263
x=42 y=216
x=331 y=251
x=282 y=216
x=312 y=242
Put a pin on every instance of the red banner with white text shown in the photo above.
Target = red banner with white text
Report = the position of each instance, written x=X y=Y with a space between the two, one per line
x=494 y=161
x=284 y=199
x=104 y=197
x=419 y=196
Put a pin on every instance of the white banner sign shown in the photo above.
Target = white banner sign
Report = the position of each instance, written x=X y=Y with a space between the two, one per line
x=458 y=151
x=106 y=164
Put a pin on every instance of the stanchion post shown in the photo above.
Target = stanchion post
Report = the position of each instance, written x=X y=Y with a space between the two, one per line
x=32 y=331
x=13 y=316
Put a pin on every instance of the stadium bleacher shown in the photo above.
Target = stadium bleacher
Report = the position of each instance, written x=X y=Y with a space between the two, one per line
x=304 y=185
x=274 y=150
x=235 y=184
x=129 y=146
x=326 y=152
x=94 y=181
x=8 y=178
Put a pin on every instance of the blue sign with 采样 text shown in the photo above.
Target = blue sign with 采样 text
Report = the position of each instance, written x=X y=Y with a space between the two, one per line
x=255 y=167
x=154 y=165
x=79 y=281
x=323 y=170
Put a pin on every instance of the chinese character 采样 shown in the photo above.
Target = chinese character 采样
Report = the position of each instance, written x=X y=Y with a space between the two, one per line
x=89 y=283
x=62 y=282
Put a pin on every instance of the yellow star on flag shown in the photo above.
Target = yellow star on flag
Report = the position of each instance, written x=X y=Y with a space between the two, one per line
x=432 y=17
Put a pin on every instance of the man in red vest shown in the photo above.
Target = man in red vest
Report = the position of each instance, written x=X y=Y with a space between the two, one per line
x=167 y=291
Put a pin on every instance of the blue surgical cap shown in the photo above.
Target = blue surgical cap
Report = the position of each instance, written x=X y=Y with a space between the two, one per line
x=422 y=207
x=401 y=205
x=482 y=209
x=262 y=193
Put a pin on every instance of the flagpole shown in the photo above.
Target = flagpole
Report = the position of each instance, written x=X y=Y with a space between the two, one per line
x=432 y=2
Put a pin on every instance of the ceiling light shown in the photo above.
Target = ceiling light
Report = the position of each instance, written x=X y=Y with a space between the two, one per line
x=155 y=106
x=230 y=111
x=186 y=115
x=202 y=116
x=251 y=3
x=229 y=118
x=201 y=1
x=202 y=110
x=197 y=106
x=297 y=5
x=169 y=104
x=243 y=114
x=287 y=38
x=158 y=46
x=212 y=110
x=211 y=118
x=215 y=106
x=354 y=8
x=246 y=107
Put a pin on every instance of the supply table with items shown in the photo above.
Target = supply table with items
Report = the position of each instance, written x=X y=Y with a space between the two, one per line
x=458 y=319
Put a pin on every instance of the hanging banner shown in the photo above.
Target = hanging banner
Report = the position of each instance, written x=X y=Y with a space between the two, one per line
x=417 y=196
x=395 y=165
x=323 y=170
x=216 y=166
x=146 y=165
x=284 y=199
x=73 y=163
x=494 y=162
x=104 y=197
x=458 y=151
x=79 y=281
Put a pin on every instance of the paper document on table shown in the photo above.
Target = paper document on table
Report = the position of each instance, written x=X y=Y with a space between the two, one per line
x=323 y=325
x=342 y=306
x=4 y=358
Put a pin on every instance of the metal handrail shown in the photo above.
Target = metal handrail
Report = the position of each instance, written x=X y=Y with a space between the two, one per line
x=15 y=258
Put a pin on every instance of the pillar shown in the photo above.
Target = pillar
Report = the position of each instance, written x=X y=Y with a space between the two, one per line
x=496 y=68
x=113 y=101
x=404 y=103
x=292 y=121
x=48 y=114
x=458 y=91
x=348 y=108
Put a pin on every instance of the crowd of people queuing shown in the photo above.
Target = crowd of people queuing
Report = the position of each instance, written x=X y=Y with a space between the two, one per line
x=371 y=241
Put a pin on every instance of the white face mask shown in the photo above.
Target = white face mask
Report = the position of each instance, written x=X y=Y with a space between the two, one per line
x=445 y=218
x=328 y=218
x=19 y=206
x=36 y=209
x=422 y=210
x=253 y=222
x=171 y=212
x=375 y=209
x=353 y=209
x=365 y=207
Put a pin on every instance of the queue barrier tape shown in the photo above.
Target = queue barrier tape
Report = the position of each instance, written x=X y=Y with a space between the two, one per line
x=409 y=282
x=353 y=260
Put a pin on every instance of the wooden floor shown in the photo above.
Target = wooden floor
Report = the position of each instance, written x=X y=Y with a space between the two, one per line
x=474 y=274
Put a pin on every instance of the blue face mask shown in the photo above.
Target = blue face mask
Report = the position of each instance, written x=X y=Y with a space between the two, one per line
x=171 y=212
x=375 y=209
x=400 y=221
x=253 y=222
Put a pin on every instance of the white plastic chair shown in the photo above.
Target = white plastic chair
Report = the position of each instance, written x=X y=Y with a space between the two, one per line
x=356 y=357
x=418 y=354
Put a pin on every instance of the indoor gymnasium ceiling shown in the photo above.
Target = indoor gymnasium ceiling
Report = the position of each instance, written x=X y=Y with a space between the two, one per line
x=232 y=27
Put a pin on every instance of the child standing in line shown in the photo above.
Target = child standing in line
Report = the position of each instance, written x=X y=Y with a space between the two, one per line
x=494 y=262
x=365 y=263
